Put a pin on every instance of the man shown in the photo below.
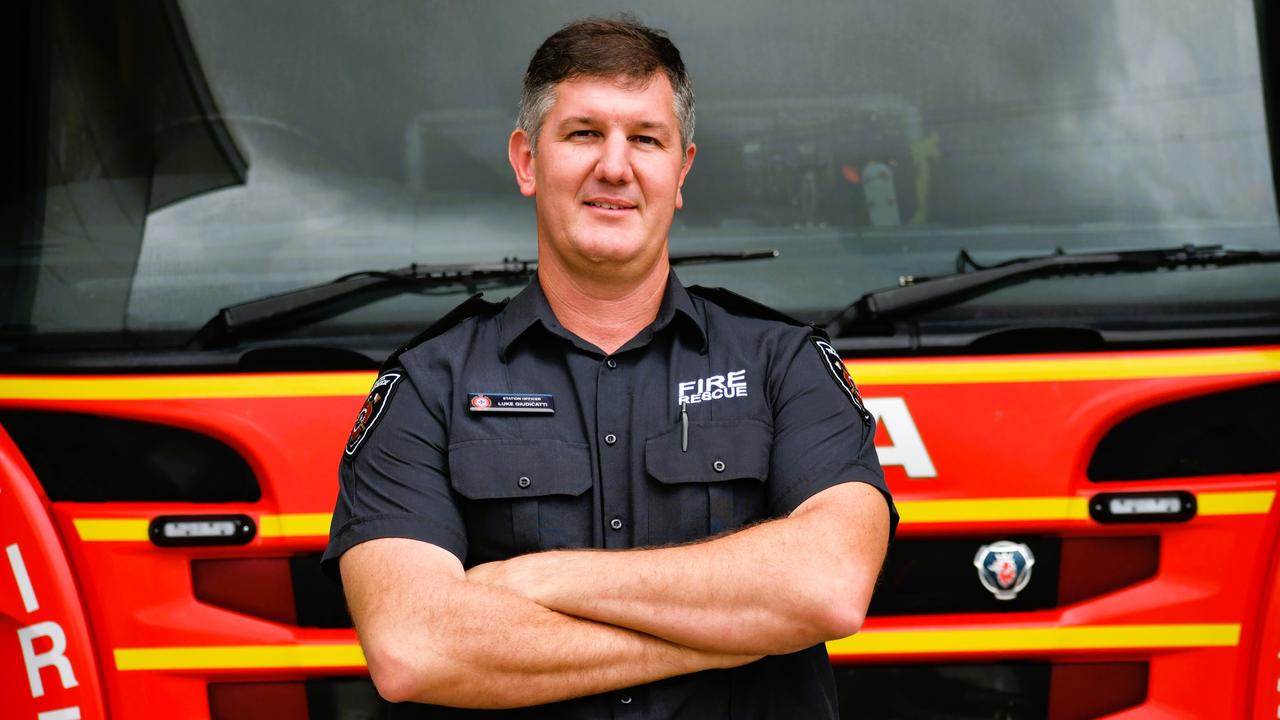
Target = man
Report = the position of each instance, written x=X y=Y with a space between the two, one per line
x=608 y=408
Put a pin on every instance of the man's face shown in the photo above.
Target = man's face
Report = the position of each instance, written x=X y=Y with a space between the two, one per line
x=607 y=174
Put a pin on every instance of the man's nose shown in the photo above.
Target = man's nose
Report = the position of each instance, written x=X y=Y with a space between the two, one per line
x=614 y=164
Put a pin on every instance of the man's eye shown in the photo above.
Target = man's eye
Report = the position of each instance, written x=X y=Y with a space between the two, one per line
x=646 y=140
x=582 y=133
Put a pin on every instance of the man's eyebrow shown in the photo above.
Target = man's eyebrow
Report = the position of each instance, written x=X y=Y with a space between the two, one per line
x=654 y=125
x=578 y=120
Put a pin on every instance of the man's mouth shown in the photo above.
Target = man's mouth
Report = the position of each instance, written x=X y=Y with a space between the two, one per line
x=606 y=205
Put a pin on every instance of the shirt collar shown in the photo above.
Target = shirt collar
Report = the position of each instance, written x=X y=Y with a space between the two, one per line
x=530 y=307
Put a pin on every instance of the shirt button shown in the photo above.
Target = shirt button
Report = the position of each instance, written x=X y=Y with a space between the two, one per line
x=718 y=465
x=610 y=439
x=611 y=363
x=616 y=523
x=625 y=699
x=524 y=481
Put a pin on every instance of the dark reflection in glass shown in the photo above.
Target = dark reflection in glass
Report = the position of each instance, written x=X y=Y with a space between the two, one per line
x=117 y=123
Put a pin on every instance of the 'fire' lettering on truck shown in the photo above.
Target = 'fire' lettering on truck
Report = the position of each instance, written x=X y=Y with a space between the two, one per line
x=43 y=632
x=908 y=449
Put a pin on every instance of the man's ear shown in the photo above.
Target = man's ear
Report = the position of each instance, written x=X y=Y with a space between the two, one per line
x=520 y=153
x=685 y=167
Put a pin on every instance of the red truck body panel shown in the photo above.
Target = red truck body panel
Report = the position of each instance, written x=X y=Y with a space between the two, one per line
x=976 y=447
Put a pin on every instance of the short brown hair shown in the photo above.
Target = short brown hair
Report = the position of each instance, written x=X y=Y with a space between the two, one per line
x=602 y=48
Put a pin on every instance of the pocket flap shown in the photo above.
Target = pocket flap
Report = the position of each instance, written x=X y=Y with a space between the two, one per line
x=717 y=450
x=506 y=469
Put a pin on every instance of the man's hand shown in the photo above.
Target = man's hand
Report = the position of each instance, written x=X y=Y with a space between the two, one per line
x=770 y=589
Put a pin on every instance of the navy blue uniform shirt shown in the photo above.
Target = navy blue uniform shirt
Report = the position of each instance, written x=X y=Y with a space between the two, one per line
x=503 y=433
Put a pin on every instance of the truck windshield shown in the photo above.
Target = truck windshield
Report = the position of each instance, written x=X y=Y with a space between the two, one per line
x=295 y=142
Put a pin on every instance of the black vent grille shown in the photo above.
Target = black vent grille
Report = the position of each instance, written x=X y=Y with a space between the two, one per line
x=92 y=458
x=945 y=691
x=1225 y=433
x=1067 y=691
x=289 y=590
x=931 y=576
x=928 y=576
x=316 y=699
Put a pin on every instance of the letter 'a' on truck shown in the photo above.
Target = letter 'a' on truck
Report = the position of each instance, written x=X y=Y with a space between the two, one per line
x=1042 y=237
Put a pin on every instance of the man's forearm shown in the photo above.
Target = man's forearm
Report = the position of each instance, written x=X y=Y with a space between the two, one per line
x=505 y=651
x=451 y=642
x=772 y=588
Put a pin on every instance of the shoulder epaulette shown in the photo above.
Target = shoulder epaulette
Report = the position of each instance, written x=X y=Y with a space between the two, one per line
x=742 y=305
x=470 y=307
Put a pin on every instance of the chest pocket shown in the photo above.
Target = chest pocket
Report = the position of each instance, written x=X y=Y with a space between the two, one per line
x=714 y=484
x=521 y=496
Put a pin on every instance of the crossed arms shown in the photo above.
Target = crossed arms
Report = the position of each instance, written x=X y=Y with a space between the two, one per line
x=554 y=625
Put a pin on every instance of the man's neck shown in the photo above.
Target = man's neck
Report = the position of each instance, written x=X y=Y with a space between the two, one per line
x=604 y=313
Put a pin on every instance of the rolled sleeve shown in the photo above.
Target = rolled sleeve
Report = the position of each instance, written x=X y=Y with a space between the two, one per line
x=397 y=484
x=820 y=437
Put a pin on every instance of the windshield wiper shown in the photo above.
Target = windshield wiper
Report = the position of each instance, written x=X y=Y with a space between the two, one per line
x=308 y=304
x=915 y=294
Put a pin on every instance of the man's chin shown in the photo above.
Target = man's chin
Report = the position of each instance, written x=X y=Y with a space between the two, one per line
x=615 y=264
x=603 y=251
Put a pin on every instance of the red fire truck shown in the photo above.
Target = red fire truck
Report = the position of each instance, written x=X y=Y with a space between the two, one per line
x=1042 y=236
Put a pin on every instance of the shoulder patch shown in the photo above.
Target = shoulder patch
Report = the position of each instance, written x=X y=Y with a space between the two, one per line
x=731 y=300
x=836 y=368
x=371 y=411
x=470 y=307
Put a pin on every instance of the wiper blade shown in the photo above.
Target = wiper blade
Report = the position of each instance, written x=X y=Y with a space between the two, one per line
x=296 y=307
x=915 y=294
x=719 y=257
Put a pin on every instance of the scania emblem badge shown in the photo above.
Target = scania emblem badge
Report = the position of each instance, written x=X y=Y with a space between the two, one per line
x=1004 y=568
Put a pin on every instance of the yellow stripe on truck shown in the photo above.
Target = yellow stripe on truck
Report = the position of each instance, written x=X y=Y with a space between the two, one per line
x=112 y=529
x=968 y=510
x=1062 y=509
x=1125 y=367
x=294 y=525
x=1046 y=639
x=869 y=642
x=993 y=509
x=943 y=371
x=239 y=657
x=135 y=529
x=187 y=387
x=1234 y=503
